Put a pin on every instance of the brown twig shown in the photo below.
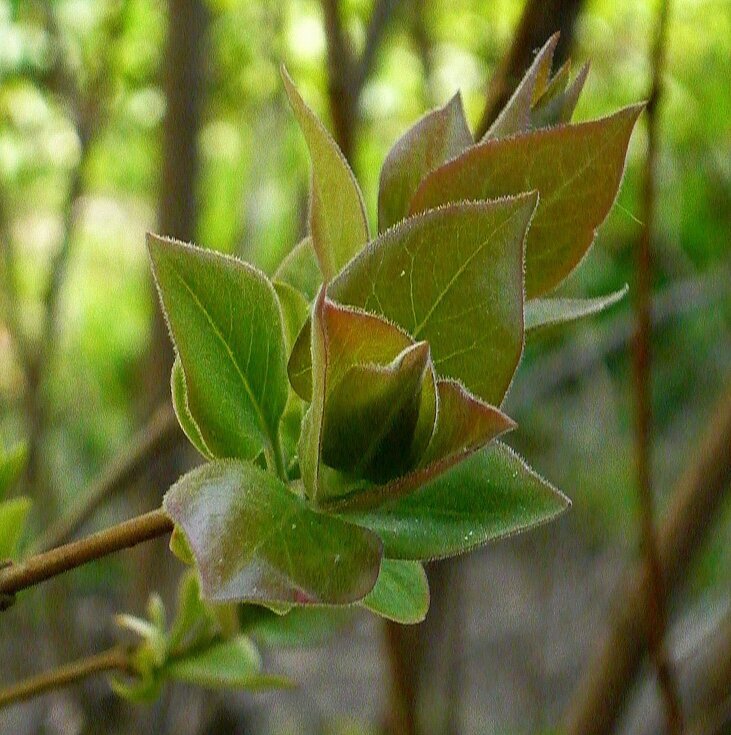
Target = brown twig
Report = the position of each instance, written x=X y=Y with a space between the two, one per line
x=159 y=434
x=41 y=567
x=695 y=501
x=115 y=659
x=656 y=609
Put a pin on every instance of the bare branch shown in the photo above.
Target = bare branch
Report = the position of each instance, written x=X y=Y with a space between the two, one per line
x=41 y=567
x=115 y=659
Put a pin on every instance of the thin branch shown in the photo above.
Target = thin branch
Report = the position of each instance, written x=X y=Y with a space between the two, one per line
x=346 y=74
x=87 y=112
x=157 y=436
x=41 y=567
x=377 y=26
x=115 y=659
x=694 y=504
x=656 y=609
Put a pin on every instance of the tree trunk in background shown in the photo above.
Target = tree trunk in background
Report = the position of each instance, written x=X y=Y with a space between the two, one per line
x=177 y=215
x=540 y=19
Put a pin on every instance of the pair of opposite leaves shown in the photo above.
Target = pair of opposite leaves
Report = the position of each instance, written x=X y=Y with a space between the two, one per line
x=449 y=301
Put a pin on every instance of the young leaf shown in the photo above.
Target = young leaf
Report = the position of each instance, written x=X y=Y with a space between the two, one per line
x=182 y=411
x=577 y=169
x=453 y=277
x=515 y=116
x=301 y=627
x=227 y=326
x=558 y=102
x=256 y=541
x=13 y=515
x=464 y=423
x=371 y=417
x=338 y=223
x=295 y=310
x=300 y=270
x=541 y=313
x=229 y=663
x=12 y=464
x=340 y=340
x=436 y=138
x=491 y=494
x=401 y=593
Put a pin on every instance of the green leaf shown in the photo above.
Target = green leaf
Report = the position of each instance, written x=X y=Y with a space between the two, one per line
x=227 y=326
x=464 y=423
x=180 y=547
x=401 y=592
x=193 y=621
x=452 y=277
x=12 y=464
x=577 y=169
x=371 y=417
x=491 y=494
x=341 y=339
x=515 y=117
x=338 y=223
x=300 y=270
x=232 y=664
x=295 y=311
x=302 y=626
x=436 y=138
x=558 y=102
x=540 y=313
x=256 y=541
x=13 y=515
x=180 y=405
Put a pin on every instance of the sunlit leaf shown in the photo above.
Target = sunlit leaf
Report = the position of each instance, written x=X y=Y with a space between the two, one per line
x=548 y=312
x=255 y=540
x=12 y=464
x=182 y=411
x=436 y=138
x=452 y=277
x=227 y=327
x=300 y=270
x=338 y=223
x=13 y=515
x=295 y=311
x=491 y=494
x=577 y=169
x=401 y=592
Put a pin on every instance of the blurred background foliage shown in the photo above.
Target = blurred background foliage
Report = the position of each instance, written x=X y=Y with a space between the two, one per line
x=82 y=109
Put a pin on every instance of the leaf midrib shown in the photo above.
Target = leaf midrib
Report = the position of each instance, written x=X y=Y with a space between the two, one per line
x=244 y=380
x=461 y=270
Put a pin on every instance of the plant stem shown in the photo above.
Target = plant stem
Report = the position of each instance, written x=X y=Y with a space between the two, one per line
x=52 y=563
x=115 y=659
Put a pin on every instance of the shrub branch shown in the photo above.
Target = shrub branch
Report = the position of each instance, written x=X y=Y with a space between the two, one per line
x=36 y=569
x=115 y=659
